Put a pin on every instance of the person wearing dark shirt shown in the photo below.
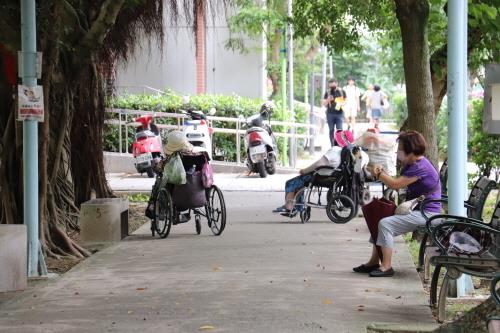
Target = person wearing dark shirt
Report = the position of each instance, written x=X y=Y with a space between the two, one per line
x=334 y=101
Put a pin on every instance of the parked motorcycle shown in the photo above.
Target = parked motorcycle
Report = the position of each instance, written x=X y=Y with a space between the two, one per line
x=147 y=147
x=198 y=130
x=260 y=143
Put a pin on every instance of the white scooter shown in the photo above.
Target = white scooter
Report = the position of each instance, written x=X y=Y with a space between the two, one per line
x=260 y=143
x=198 y=130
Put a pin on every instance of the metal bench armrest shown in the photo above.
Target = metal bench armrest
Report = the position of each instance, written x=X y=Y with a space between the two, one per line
x=426 y=202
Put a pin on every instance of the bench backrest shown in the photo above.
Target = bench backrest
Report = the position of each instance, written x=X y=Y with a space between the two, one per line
x=478 y=196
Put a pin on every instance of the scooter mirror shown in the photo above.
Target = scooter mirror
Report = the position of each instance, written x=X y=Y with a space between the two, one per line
x=185 y=99
x=212 y=111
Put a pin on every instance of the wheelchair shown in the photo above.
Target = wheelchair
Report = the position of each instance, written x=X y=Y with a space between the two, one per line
x=174 y=204
x=337 y=190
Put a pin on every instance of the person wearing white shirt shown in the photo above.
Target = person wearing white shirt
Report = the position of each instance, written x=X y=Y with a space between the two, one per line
x=351 y=106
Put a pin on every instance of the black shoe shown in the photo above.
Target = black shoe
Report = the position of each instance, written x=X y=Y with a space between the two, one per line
x=379 y=273
x=365 y=269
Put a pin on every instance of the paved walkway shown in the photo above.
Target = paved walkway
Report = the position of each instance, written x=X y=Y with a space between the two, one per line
x=263 y=274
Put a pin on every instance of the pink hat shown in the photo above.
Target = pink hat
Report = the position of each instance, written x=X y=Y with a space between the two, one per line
x=344 y=137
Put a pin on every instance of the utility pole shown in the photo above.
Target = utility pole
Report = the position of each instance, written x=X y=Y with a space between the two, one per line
x=283 y=86
x=331 y=67
x=311 y=114
x=30 y=135
x=457 y=110
x=323 y=71
x=293 y=144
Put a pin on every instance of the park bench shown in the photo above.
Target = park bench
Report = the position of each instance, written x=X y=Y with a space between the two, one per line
x=474 y=205
x=484 y=264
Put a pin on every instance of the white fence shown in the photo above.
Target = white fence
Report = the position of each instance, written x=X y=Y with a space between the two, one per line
x=121 y=122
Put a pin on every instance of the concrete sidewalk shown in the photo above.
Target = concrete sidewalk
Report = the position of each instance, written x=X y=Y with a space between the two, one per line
x=265 y=273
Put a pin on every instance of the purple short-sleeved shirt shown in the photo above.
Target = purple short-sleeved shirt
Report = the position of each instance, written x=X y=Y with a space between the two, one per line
x=428 y=183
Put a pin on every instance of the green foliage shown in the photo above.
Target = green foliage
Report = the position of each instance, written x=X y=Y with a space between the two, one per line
x=226 y=106
x=138 y=197
x=399 y=107
x=340 y=24
x=484 y=148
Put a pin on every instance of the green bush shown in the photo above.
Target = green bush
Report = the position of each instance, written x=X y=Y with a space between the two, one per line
x=484 y=148
x=400 y=108
x=226 y=106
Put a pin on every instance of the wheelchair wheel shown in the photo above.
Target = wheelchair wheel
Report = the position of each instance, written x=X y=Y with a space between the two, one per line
x=215 y=209
x=163 y=213
x=197 y=221
x=305 y=215
x=340 y=209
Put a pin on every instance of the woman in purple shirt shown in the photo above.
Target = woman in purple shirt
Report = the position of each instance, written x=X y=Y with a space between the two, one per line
x=421 y=178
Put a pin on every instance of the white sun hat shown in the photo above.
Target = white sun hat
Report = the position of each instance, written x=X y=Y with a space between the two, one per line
x=176 y=141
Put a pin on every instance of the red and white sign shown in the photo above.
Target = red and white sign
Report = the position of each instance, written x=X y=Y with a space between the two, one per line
x=30 y=103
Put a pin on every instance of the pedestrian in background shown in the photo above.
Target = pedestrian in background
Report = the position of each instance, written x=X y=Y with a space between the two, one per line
x=365 y=98
x=351 y=107
x=376 y=101
x=334 y=101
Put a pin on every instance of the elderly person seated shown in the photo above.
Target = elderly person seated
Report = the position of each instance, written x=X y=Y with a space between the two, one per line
x=331 y=158
x=176 y=142
x=421 y=178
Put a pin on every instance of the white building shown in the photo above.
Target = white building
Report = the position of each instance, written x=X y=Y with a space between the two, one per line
x=213 y=70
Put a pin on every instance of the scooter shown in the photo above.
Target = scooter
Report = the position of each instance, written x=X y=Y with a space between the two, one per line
x=198 y=130
x=260 y=145
x=147 y=147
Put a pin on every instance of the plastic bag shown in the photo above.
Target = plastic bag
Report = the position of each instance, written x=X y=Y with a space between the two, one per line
x=207 y=175
x=174 y=172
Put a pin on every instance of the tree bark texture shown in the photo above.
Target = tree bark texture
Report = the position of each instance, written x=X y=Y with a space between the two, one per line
x=413 y=17
x=80 y=45
x=473 y=320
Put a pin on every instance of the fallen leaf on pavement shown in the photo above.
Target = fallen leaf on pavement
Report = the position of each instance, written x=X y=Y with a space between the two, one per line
x=327 y=301
x=398 y=297
x=130 y=311
x=216 y=269
x=206 y=328
x=141 y=289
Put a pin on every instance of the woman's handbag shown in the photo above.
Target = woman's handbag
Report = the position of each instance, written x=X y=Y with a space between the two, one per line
x=375 y=211
x=407 y=207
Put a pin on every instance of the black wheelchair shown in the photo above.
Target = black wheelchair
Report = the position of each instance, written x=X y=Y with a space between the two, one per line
x=174 y=204
x=338 y=190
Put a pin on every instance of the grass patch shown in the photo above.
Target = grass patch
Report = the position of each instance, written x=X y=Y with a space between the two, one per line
x=413 y=246
x=138 y=197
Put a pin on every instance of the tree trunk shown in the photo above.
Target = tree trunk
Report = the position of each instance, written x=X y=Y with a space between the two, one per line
x=413 y=18
x=473 y=320
x=438 y=65
x=274 y=67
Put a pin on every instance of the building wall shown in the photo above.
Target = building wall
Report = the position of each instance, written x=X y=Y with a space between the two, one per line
x=227 y=72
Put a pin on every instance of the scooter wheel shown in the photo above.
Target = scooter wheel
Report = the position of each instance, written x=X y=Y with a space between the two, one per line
x=150 y=172
x=262 y=169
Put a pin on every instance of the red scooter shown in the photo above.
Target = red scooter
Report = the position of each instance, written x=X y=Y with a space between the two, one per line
x=146 y=148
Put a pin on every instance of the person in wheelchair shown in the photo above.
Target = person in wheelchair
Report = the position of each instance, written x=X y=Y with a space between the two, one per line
x=176 y=142
x=332 y=158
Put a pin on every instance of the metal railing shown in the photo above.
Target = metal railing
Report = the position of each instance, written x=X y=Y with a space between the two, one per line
x=238 y=131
